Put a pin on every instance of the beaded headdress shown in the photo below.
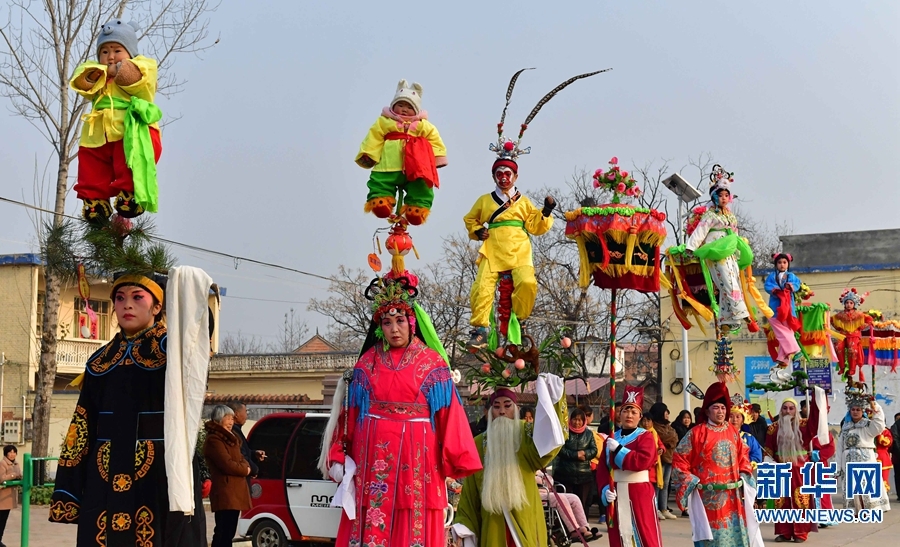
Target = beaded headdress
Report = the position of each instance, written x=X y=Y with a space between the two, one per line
x=720 y=179
x=852 y=295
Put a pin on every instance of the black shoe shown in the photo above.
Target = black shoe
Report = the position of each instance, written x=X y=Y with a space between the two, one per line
x=126 y=206
x=96 y=211
x=782 y=539
x=684 y=514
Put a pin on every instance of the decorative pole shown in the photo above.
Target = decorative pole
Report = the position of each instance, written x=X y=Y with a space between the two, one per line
x=612 y=389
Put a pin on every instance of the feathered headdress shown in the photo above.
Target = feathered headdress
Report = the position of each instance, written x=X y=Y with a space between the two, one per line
x=720 y=179
x=852 y=295
x=508 y=150
x=857 y=395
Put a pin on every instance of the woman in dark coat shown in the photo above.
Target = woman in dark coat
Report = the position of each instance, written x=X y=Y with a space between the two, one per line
x=228 y=471
x=572 y=466
x=679 y=424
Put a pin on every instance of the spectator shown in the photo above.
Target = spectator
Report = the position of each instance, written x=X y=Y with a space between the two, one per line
x=699 y=416
x=572 y=512
x=9 y=471
x=228 y=497
x=758 y=426
x=599 y=439
x=572 y=466
x=240 y=418
x=656 y=472
x=659 y=413
x=528 y=414
x=682 y=423
x=804 y=410
x=480 y=426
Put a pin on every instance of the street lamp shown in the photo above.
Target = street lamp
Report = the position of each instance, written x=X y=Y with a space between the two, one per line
x=686 y=193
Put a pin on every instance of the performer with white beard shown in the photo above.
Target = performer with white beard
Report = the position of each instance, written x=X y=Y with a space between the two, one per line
x=501 y=505
x=857 y=444
x=790 y=439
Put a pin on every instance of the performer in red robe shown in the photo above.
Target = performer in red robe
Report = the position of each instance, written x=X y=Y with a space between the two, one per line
x=713 y=462
x=883 y=444
x=850 y=323
x=401 y=426
x=623 y=479
x=789 y=440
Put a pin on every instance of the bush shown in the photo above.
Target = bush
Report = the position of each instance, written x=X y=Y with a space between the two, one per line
x=40 y=495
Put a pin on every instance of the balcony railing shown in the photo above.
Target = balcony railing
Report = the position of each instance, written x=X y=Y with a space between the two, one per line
x=288 y=362
x=71 y=355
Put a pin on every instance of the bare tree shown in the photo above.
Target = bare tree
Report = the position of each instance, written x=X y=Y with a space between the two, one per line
x=292 y=334
x=240 y=343
x=41 y=43
x=347 y=308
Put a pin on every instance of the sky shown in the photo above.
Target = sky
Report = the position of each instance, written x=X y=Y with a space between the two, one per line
x=799 y=99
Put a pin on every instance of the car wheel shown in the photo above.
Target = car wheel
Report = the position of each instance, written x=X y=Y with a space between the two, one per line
x=268 y=533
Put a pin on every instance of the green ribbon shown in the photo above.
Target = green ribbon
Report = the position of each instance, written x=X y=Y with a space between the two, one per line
x=429 y=334
x=727 y=486
x=139 y=154
x=624 y=211
x=501 y=223
x=721 y=249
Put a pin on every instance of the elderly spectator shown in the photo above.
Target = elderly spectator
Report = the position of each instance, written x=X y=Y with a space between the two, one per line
x=571 y=511
x=9 y=471
x=228 y=497
x=572 y=467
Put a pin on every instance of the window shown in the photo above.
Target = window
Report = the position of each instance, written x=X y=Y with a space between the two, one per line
x=303 y=454
x=39 y=323
x=99 y=331
x=272 y=436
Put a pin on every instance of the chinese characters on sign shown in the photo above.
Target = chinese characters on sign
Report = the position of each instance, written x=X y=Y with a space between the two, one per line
x=862 y=479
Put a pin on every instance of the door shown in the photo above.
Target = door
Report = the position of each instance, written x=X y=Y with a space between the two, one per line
x=309 y=496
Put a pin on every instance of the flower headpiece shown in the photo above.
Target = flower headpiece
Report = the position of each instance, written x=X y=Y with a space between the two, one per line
x=852 y=295
x=616 y=180
x=508 y=150
x=391 y=296
x=720 y=179
x=786 y=256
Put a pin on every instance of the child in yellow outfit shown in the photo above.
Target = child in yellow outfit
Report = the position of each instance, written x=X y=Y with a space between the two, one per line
x=403 y=150
x=120 y=140
x=511 y=219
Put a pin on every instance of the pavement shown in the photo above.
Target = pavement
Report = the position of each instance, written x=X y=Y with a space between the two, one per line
x=676 y=533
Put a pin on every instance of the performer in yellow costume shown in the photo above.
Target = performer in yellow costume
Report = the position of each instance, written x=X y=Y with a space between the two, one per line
x=504 y=221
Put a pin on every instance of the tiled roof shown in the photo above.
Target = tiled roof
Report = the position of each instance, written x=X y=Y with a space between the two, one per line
x=256 y=399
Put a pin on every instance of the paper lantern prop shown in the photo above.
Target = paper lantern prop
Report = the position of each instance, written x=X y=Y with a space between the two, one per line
x=618 y=245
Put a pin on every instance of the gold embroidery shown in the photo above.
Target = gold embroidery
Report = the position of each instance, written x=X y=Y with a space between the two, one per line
x=144 y=455
x=64 y=511
x=103 y=461
x=101 y=527
x=146 y=351
x=144 y=531
x=121 y=522
x=75 y=446
x=121 y=483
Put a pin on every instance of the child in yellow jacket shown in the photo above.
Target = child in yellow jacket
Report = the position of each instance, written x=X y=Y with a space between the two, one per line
x=120 y=141
x=403 y=150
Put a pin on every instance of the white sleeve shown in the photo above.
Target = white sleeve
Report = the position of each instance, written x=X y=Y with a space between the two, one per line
x=468 y=536
x=548 y=432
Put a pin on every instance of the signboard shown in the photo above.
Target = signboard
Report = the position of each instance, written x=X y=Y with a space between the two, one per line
x=819 y=371
x=756 y=370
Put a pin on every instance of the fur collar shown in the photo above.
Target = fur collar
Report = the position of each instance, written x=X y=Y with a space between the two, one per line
x=217 y=429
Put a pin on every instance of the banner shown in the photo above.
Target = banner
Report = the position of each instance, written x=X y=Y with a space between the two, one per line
x=819 y=371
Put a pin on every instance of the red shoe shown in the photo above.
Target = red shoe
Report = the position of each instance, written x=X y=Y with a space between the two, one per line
x=380 y=207
x=753 y=326
x=415 y=215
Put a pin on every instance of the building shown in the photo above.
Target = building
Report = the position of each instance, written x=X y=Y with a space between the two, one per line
x=278 y=381
x=828 y=263
x=21 y=299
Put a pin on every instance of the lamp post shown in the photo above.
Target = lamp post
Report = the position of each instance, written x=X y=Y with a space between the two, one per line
x=686 y=193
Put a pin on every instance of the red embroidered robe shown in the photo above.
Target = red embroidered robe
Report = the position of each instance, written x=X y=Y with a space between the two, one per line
x=407 y=432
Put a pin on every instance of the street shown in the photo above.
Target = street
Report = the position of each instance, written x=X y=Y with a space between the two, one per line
x=676 y=533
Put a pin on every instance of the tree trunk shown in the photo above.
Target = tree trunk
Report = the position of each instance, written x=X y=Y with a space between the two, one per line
x=46 y=376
